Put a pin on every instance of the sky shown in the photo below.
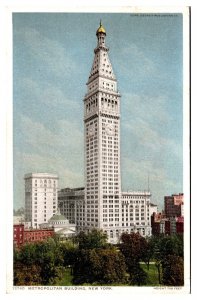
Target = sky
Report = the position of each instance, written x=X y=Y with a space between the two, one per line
x=52 y=58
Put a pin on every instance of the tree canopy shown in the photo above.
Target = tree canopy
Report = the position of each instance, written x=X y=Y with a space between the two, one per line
x=92 y=240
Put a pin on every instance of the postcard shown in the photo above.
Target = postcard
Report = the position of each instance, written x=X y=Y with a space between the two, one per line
x=98 y=149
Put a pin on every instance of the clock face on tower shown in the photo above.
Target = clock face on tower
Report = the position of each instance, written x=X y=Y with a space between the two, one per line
x=91 y=131
x=110 y=129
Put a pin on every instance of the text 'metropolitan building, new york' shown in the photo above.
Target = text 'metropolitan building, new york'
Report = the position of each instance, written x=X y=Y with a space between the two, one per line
x=105 y=206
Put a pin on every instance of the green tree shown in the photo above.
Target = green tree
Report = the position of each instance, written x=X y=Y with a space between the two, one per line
x=26 y=255
x=44 y=259
x=50 y=258
x=69 y=252
x=148 y=251
x=94 y=239
x=165 y=247
x=26 y=274
x=138 y=276
x=99 y=266
x=173 y=271
x=133 y=248
x=113 y=267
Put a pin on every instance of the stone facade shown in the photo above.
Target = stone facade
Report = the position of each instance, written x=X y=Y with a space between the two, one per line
x=40 y=197
x=102 y=204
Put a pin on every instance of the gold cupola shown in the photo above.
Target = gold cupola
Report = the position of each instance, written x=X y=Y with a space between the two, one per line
x=101 y=29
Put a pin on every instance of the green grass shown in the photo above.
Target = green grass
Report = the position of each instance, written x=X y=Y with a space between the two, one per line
x=66 y=280
x=152 y=278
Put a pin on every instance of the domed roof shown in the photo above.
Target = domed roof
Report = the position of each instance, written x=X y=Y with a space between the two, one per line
x=57 y=217
x=101 y=29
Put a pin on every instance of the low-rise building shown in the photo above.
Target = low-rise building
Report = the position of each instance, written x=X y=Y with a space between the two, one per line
x=180 y=225
x=132 y=213
x=18 y=233
x=135 y=212
x=21 y=235
x=37 y=235
x=160 y=224
x=168 y=226
x=62 y=228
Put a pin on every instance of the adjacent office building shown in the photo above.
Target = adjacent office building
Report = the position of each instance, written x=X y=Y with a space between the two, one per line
x=40 y=197
x=174 y=205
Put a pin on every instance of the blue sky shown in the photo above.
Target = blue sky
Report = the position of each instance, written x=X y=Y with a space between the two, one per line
x=52 y=58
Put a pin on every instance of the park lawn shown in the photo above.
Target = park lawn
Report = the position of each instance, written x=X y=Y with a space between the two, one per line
x=66 y=280
x=152 y=279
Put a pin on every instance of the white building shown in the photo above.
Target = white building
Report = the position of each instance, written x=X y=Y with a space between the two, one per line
x=105 y=206
x=62 y=227
x=102 y=204
x=102 y=144
x=40 y=197
x=136 y=212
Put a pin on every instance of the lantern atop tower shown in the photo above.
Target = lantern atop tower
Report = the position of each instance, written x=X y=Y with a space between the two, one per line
x=101 y=29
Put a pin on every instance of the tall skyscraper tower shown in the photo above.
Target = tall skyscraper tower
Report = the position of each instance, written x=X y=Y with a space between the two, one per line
x=104 y=205
x=102 y=143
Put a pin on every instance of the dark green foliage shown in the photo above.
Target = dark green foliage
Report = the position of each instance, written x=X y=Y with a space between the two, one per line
x=39 y=263
x=148 y=251
x=97 y=261
x=167 y=245
x=173 y=271
x=100 y=266
x=26 y=274
x=91 y=260
x=94 y=239
x=69 y=252
x=133 y=248
x=164 y=248
x=138 y=275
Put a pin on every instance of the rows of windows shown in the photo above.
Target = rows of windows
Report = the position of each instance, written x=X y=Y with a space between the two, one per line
x=134 y=197
x=107 y=85
x=45 y=182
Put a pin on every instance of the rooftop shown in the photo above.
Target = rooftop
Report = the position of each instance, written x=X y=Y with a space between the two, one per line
x=57 y=217
x=41 y=175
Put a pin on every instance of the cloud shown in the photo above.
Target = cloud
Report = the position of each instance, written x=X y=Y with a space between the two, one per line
x=49 y=52
x=67 y=135
x=151 y=127
x=147 y=107
x=42 y=150
x=33 y=162
x=135 y=176
x=151 y=146
x=150 y=138
x=53 y=96
x=133 y=58
x=64 y=147
x=37 y=135
x=38 y=92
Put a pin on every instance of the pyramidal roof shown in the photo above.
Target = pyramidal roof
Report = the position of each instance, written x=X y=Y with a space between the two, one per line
x=101 y=64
